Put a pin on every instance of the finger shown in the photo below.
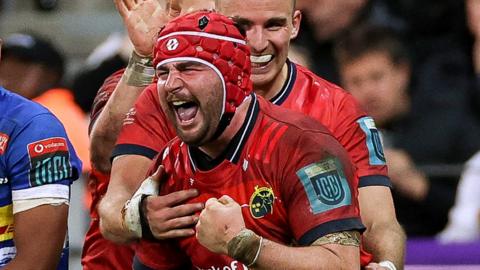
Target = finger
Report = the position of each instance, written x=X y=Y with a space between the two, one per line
x=186 y=209
x=174 y=8
x=226 y=200
x=121 y=7
x=211 y=202
x=174 y=198
x=130 y=4
x=175 y=233
x=182 y=222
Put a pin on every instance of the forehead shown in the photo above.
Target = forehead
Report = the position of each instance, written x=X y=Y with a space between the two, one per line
x=180 y=64
x=263 y=10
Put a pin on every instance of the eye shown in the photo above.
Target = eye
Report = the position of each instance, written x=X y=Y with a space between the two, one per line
x=161 y=74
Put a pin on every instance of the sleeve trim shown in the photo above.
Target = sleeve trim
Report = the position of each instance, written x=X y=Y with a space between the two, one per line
x=347 y=224
x=133 y=149
x=374 y=180
x=44 y=191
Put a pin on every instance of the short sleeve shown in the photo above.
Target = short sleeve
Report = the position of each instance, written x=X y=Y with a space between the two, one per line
x=145 y=129
x=360 y=137
x=41 y=160
x=320 y=192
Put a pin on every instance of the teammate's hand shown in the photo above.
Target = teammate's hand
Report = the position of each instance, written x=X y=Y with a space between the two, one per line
x=219 y=222
x=167 y=216
x=143 y=19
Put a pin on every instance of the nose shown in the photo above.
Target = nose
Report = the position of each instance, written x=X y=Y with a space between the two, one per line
x=257 y=39
x=173 y=82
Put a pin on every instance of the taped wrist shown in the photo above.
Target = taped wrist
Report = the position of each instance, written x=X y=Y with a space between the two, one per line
x=131 y=217
x=245 y=247
x=139 y=71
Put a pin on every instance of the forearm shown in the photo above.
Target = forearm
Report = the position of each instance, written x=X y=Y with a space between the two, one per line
x=386 y=241
x=277 y=256
x=138 y=75
x=111 y=219
x=384 y=237
x=107 y=127
x=124 y=181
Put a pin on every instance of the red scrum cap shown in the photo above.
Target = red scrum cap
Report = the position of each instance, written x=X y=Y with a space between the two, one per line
x=214 y=40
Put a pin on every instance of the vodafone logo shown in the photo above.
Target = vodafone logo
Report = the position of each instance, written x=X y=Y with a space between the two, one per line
x=46 y=146
x=172 y=44
x=38 y=148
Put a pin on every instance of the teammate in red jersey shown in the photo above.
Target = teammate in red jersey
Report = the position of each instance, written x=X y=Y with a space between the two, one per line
x=295 y=182
x=270 y=26
x=100 y=253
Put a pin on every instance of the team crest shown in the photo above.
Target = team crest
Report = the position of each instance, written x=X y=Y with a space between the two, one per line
x=326 y=185
x=202 y=22
x=172 y=44
x=3 y=142
x=261 y=202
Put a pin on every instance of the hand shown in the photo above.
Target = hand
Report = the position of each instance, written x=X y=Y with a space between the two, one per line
x=219 y=222
x=167 y=216
x=143 y=19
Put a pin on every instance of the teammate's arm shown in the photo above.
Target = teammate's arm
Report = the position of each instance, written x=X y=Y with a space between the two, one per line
x=142 y=21
x=384 y=237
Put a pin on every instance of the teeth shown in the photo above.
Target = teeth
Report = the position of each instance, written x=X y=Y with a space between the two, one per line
x=178 y=103
x=261 y=59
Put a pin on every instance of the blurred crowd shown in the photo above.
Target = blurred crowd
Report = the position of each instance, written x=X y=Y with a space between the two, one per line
x=414 y=66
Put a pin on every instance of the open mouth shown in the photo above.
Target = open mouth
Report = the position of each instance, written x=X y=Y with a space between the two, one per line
x=185 y=110
x=261 y=61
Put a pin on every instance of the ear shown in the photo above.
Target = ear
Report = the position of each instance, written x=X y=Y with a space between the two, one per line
x=296 y=19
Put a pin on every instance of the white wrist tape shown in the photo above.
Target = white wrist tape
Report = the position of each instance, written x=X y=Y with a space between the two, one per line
x=131 y=209
x=388 y=264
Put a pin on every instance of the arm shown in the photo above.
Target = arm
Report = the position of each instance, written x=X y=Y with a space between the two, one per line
x=384 y=237
x=39 y=248
x=221 y=222
x=142 y=20
x=39 y=202
x=167 y=216
x=123 y=183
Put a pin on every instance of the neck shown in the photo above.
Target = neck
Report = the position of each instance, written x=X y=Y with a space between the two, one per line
x=271 y=89
x=214 y=148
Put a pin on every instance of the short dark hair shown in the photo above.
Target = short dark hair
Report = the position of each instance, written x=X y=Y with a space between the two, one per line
x=367 y=38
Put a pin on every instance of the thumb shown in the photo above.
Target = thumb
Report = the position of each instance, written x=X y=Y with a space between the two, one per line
x=159 y=175
x=226 y=200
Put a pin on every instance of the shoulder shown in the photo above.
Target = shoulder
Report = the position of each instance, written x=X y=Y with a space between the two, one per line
x=295 y=121
x=20 y=111
x=324 y=89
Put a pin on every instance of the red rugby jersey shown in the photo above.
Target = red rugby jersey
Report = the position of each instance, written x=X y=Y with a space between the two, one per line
x=145 y=133
x=294 y=181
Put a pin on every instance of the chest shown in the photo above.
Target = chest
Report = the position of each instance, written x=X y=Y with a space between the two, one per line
x=258 y=195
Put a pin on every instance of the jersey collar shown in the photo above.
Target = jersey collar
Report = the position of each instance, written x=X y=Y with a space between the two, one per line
x=200 y=160
x=287 y=87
